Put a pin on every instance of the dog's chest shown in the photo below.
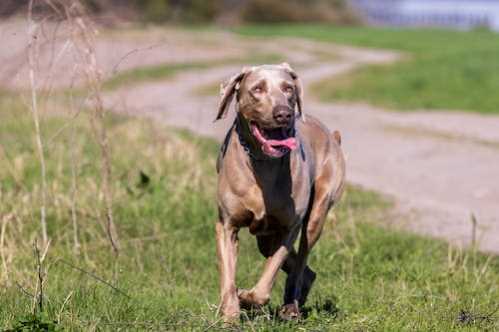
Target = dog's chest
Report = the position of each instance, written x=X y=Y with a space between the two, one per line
x=268 y=195
x=278 y=201
x=274 y=209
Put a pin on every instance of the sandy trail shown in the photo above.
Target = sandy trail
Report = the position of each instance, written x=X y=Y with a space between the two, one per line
x=439 y=167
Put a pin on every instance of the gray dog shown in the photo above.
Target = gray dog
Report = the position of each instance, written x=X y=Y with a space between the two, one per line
x=279 y=172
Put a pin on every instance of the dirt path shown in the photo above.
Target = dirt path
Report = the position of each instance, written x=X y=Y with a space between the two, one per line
x=439 y=167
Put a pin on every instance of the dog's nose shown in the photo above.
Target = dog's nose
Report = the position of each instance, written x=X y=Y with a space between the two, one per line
x=283 y=114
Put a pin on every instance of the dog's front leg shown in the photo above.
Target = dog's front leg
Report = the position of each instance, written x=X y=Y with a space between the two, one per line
x=260 y=294
x=227 y=247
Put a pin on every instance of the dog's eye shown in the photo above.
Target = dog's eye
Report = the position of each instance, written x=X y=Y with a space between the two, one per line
x=288 y=90
x=257 y=89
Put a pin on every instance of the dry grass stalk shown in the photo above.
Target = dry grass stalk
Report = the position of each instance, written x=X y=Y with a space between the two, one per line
x=83 y=39
x=473 y=232
x=74 y=185
x=95 y=277
x=40 y=258
x=32 y=56
x=5 y=220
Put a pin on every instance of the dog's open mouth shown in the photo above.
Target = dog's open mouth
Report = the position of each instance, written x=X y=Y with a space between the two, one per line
x=276 y=142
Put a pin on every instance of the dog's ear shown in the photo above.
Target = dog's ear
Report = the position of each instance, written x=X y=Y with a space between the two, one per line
x=298 y=87
x=227 y=91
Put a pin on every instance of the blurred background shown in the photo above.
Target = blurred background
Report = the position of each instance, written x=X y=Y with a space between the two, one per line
x=108 y=149
x=460 y=14
x=226 y=11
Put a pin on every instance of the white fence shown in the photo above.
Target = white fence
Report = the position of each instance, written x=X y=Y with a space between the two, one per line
x=447 y=13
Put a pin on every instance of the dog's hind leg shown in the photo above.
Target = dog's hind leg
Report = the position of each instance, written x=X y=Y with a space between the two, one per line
x=300 y=278
x=308 y=276
x=227 y=245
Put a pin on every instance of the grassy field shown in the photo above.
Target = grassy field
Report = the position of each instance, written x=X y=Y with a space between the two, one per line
x=162 y=71
x=442 y=70
x=165 y=277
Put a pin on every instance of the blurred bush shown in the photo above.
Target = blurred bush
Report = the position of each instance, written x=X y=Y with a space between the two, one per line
x=154 y=10
x=270 y=11
x=202 y=11
x=179 y=10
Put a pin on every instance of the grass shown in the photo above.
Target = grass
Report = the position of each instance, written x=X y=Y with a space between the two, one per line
x=445 y=69
x=164 y=71
x=369 y=278
x=149 y=73
x=210 y=89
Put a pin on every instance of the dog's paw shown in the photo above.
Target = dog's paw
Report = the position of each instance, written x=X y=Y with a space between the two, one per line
x=230 y=308
x=249 y=300
x=290 y=312
x=230 y=319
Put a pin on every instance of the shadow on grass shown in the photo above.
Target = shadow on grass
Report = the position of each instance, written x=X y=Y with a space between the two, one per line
x=328 y=307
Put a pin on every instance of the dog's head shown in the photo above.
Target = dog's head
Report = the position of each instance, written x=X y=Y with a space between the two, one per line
x=266 y=98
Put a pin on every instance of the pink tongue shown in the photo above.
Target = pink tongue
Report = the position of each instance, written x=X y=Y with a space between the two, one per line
x=290 y=142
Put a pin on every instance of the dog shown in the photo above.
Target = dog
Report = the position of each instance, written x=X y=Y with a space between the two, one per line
x=279 y=172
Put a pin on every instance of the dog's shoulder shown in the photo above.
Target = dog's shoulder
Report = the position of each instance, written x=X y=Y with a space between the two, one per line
x=223 y=148
x=314 y=131
x=321 y=143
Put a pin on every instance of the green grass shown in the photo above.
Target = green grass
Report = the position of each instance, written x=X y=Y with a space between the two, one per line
x=163 y=71
x=149 y=73
x=210 y=89
x=444 y=69
x=369 y=278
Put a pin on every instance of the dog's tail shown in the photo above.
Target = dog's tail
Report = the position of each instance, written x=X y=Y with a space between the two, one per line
x=336 y=137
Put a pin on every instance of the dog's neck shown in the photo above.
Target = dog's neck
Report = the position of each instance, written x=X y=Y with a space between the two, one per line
x=267 y=170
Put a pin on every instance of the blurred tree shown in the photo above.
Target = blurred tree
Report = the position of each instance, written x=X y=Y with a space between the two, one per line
x=196 y=10
x=269 y=11
x=201 y=11
x=8 y=7
x=154 y=10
